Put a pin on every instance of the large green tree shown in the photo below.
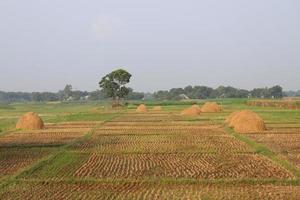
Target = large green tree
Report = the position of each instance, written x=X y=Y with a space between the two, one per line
x=114 y=85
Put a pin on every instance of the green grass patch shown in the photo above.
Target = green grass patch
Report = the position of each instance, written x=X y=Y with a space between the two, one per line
x=7 y=124
x=6 y=107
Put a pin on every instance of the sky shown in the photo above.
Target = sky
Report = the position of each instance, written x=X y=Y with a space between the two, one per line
x=46 y=44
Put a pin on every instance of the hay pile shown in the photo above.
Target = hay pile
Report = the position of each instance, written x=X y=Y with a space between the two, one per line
x=229 y=118
x=210 y=107
x=142 y=109
x=194 y=110
x=30 y=120
x=245 y=121
x=157 y=108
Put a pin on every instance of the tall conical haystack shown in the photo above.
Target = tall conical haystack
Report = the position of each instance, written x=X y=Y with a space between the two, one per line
x=30 y=121
x=246 y=121
x=157 y=108
x=194 y=110
x=141 y=109
x=211 y=107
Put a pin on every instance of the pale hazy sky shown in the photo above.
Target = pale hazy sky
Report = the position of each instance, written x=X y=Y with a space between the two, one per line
x=45 y=44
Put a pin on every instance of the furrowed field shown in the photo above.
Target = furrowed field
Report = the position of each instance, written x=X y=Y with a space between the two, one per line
x=89 y=151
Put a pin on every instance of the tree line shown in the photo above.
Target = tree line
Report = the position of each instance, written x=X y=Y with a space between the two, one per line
x=291 y=93
x=67 y=94
x=114 y=86
x=191 y=92
x=204 y=92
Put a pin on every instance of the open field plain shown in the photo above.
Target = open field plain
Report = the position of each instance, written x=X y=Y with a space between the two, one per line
x=96 y=153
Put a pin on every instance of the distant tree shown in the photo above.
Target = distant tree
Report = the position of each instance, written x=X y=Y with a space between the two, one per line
x=114 y=85
x=291 y=93
x=36 y=96
x=97 y=95
x=257 y=93
x=161 y=95
x=175 y=93
x=134 y=95
x=201 y=92
x=276 y=91
x=67 y=92
x=227 y=92
x=273 y=92
x=79 y=95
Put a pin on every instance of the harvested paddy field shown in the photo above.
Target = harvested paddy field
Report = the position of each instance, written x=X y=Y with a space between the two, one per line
x=53 y=134
x=163 y=143
x=20 y=149
x=283 y=139
x=148 y=156
x=14 y=159
x=104 y=190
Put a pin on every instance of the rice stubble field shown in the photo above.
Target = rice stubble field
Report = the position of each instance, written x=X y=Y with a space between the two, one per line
x=156 y=155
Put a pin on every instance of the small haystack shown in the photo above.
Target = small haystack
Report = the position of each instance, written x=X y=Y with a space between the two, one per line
x=157 y=108
x=142 y=109
x=194 y=110
x=246 y=121
x=211 y=107
x=196 y=107
x=30 y=121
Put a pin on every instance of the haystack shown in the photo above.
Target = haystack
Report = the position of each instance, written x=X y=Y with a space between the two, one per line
x=195 y=106
x=211 y=107
x=192 y=111
x=157 y=108
x=246 y=121
x=229 y=118
x=141 y=108
x=30 y=120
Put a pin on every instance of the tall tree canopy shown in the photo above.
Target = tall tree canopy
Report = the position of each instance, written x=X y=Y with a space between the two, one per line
x=114 y=84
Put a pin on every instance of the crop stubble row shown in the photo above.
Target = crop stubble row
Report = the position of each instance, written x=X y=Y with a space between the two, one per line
x=136 y=190
x=14 y=159
x=159 y=143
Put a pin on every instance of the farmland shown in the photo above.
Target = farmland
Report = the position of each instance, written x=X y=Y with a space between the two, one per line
x=89 y=151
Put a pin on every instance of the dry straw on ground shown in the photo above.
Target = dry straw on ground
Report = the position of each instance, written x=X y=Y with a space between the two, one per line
x=157 y=108
x=211 y=107
x=245 y=121
x=141 y=109
x=30 y=120
x=194 y=110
